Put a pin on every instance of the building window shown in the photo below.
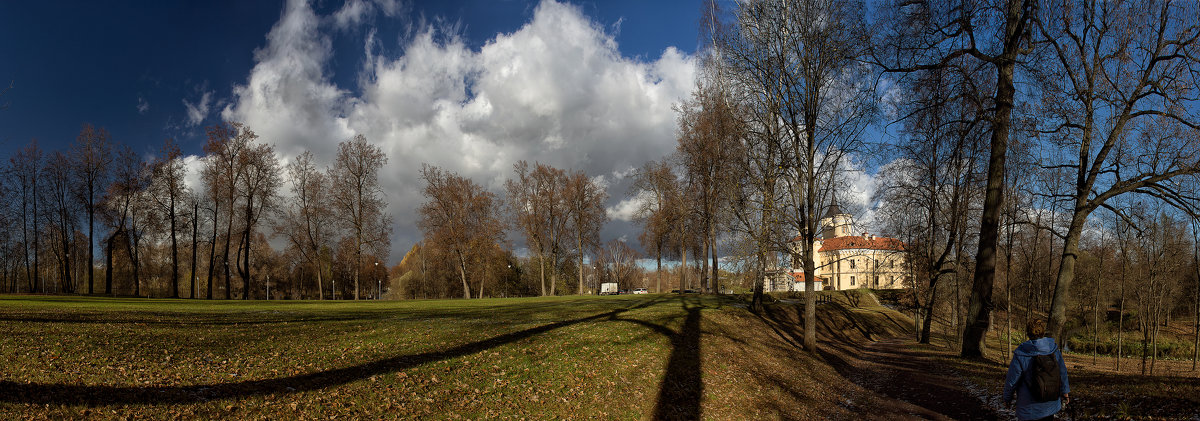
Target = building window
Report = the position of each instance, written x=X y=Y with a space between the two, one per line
x=851 y=281
x=891 y=264
x=851 y=263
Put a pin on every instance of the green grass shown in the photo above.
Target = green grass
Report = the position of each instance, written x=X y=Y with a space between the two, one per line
x=474 y=358
x=619 y=357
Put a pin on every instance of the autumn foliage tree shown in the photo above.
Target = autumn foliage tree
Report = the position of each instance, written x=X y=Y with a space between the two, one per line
x=459 y=217
x=537 y=207
x=586 y=215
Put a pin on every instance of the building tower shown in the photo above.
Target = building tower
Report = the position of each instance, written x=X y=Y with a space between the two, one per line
x=836 y=223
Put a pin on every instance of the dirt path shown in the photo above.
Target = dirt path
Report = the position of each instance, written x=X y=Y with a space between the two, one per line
x=901 y=369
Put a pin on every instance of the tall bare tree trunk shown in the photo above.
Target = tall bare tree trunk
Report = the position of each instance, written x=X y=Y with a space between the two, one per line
x=1096 y=312
x=131 y=245
x=212 y=248
x=108 y=267
x=195 y=243
x=1016 y=20
x=553 y=271
x=244 y=267
x=579 y=246
x=91 y=248
x=705 y=281
x=683 y=270
x=1121 y=310
x=716 y=275
x=320 y=277
x=658 y=265
x=462 y=272
x=37 y=274
x=225 y=259
x=174 y=252
x=541 y=272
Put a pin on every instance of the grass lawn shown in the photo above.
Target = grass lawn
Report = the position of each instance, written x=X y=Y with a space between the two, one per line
x=658 y=356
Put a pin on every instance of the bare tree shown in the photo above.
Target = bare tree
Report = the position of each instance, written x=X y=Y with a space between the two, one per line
x=458 y=216
x=537 y=207
x=1118 y=81
x=307 y=218
x=799 y=63
x=26 y=169
x=927 y=192
x=922 y=36
x=194 y=198
x=709 y=136
x=258 y=186
x=658 y=211
x=120 y=209
x=92 y=154
x=586 y=214
x=168 y=194
x=356 y=193
x=1159 y=254
x=226 y=143
x=60 y=208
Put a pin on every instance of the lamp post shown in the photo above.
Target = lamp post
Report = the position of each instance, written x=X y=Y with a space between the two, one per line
x=378 y=283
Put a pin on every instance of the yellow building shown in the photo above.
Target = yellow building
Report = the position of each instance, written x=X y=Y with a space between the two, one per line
x=845 y=261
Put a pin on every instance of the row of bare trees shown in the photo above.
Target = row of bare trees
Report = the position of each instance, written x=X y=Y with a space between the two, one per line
x=1011 y=114
x=150 y=220
x=559 y=214
x=1109 y=111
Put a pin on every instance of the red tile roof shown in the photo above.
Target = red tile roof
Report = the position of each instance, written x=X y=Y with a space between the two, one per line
x=799 y=277
x=860 y=242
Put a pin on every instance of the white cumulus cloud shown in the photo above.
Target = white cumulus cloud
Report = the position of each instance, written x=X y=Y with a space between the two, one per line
x=198 y=110
x=557 y=90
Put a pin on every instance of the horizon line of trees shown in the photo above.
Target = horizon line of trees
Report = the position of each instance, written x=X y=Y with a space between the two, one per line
x=160 y=237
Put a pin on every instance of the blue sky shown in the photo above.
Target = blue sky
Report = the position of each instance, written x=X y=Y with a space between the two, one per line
x=471 y=86
x=129 y=67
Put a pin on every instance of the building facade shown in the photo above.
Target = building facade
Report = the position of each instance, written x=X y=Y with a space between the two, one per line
x=844 y=260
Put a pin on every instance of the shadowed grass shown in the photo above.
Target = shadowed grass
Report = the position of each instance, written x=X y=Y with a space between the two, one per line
x=658 y=356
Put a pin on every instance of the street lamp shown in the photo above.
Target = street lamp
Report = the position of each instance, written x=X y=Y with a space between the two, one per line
x=378 y=283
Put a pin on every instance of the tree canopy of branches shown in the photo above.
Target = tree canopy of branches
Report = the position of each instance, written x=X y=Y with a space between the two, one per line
x=709 y=145
x=357 y=197
x=92 y=156
x=658 y=211
x=1119 y=85
x=306 y=218
x=538 y=208
x=917 y=37
x=796 y=64
x=168 y=193
x=459 y=216
x=586 y=215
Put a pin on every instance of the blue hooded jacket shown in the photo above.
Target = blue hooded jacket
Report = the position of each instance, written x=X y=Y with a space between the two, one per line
x=1014 y=383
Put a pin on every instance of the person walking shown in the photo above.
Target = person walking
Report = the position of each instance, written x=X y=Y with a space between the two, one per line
x=1037 y=376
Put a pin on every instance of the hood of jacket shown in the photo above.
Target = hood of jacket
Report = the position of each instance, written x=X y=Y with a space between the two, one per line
x=1040 y=346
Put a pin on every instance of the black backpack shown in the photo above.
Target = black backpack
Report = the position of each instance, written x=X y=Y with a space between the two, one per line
x=1045 y=378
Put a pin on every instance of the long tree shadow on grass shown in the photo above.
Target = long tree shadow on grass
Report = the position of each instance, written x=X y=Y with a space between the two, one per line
x=682 y=388
x=100 y=395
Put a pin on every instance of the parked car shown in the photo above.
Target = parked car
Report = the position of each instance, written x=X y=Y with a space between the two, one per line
x=640 y=291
